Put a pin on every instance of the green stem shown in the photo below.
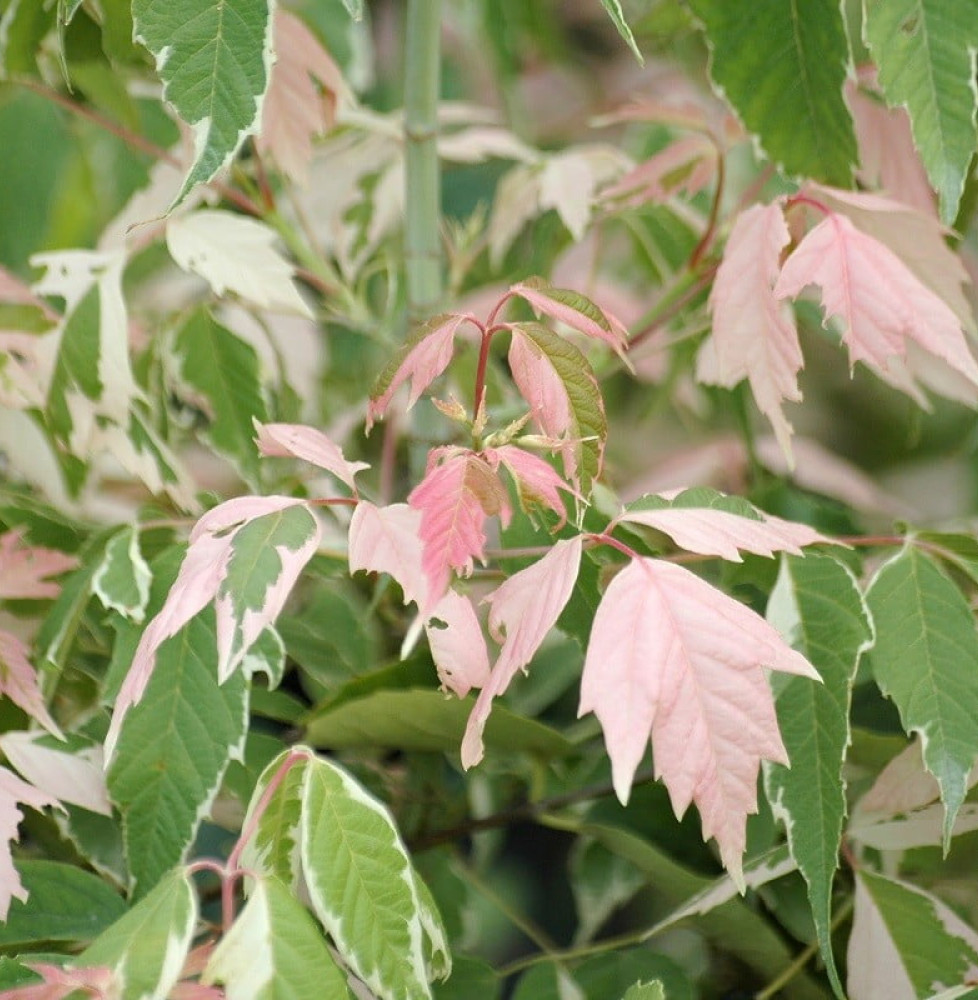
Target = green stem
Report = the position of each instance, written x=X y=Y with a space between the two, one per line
x=422 y=246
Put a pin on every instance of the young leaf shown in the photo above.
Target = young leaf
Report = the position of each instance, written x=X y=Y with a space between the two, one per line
x=924 y=632
x=305 y=87
x=25 y=569
x=234 y=253
x=146 y=947
x=613 y=7
x=214 y=63
x=457 y=494
x=58 y=982
x=521 y=613
x=674 y=658
x=423 y=357
x=817 y=606
x=245 y=554
x=122 y=579
x=310 y=445
x=718 y=532
x=221 y=375
x=18 y=681
x=457 y=645
x=925 y=54
x=362 y=885
x=388 y=540
x=686 y=165
x=73 y=773
x=565 y=402
x=905 y=942
x=878 y=300
x=574 y=310
x=782 y=67
x=537 y=484
x=13 y=792
x=754 y=334
x=274 y=949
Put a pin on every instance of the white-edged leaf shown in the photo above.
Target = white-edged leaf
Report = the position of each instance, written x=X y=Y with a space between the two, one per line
x=214 y=61
x=362 y=885
x=275 y=950
x=237 y=254
x=122 y=579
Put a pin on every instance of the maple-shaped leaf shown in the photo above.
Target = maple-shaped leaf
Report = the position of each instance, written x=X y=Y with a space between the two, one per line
x=459 y=491
x=574 y=310
x=674 y=658
x=13 y=792
x=309 y=444
x=559 y=385
x=521 y=613
x=537 y=483
x=245 y=555
x=24 y=569
x=754 y=334
x=303 y=91
x=388 y=540
x=686 y=165
x=712 y=531
x=62 y=981
x=422 y=358
x=234 y=253
x=18 y=681
x=457 y=644
x=878 y=300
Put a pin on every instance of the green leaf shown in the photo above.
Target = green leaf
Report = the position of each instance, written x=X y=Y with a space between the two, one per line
x=65 y=903
x=589 y=427
x=275 y=951
x=733 y=925
x=214 y=60
x=222 y=373
x=147 y=946
x=173 y=750
x=362 y=885
x=782 y=65
x=613 y=7
x=818 y=608
x=608 y=976
x=122 y=579
x=601 y=882
x=925 y=631
x=426 y=720
x=471 y=977
x=354 y=8
x=698 y=497
x=273 y=847
x=23 y=27
x=925 y=53
x=922 y=941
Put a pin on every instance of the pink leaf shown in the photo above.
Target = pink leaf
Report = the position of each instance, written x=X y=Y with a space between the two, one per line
x=876 y=297
x=455 y=498
x=13 y=791
x=574 y=310
x=686 y=165
x=720 y=533
x=199 y=581
x=754 y=335
x=18 y=681
x=310 y=445
x=388 y=540
x=458 y=648
x=59 y=982
x=536 y=480
x=522 y=611
x=673 y=658
x=422 y=359
x=77 y=777
x=24 y=568
x=295 y=109
x=541 y=387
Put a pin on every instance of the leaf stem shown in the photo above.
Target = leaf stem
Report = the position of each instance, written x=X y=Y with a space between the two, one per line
x=422 y=244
